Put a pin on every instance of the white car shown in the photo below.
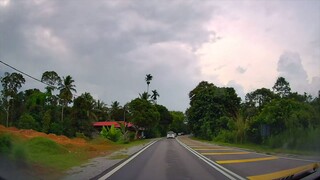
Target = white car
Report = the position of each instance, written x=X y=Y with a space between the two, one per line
x=171 y=134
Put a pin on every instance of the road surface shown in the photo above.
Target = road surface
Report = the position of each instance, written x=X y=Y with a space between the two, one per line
x=185 y=159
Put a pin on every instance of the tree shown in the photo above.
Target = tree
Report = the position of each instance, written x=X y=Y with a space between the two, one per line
x=52 y=79
x=101 y=110
x=144 y=96
x=143 y=114
x=26 y=121
x=11 y=83
x=286 y=115
x=155 y=95
x=115 y=112
x=66 y=88
x=282 y=87
x=165 y=119
x=178 y=123
x=148 y=80
x=208 y=103
x=83 y=114
x=259 y=97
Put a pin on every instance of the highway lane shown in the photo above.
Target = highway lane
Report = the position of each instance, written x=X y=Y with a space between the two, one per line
x=252 y=165
x=184 y=158
x=166 y=159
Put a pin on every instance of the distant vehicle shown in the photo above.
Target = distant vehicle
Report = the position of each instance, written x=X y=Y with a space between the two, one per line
x=171 y=134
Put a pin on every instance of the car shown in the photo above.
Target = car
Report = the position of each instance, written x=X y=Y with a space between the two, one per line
x=171 y=134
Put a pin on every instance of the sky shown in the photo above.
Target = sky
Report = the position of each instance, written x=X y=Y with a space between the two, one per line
x=109 y=46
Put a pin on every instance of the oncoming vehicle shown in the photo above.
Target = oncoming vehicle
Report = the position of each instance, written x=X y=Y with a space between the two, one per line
x=171 y=134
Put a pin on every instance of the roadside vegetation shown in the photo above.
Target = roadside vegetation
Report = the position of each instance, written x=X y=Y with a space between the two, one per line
x=53 y=128
x=51 y=154
x=57 y=109
x=274 y=120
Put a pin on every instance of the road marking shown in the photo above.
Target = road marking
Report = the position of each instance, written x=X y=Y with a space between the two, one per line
x=246 y=160
x=125 y=162
x=213 y=149
x=197 y=146
x=286 y=173
x=229 y=174
x=225 y=153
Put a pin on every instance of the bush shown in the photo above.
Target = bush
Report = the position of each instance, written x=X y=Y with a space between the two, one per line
x=5 y=143
x=297 y=139
x=26 y=121
x=81 y=135
x=226 y=136
x=111 y=133
x=56 y=128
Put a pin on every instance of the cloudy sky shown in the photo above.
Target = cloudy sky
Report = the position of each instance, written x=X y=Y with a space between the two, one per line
x=109 y=46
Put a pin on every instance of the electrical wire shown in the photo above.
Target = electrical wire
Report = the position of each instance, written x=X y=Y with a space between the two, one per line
x=26 y=74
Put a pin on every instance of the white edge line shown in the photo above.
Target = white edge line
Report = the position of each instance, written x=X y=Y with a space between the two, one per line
x=125 y=162
x=216 y=166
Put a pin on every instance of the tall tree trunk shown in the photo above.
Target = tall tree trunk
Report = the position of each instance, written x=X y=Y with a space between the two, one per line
x=62 y=113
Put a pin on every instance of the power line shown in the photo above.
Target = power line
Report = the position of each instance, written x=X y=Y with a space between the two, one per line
x=36 y=79
x=26 y=74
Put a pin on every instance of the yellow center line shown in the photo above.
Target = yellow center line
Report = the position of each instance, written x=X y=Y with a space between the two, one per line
x=199 y=146
x=246 y=160
x=225 y=153
x=212 y=149
x=285 y=173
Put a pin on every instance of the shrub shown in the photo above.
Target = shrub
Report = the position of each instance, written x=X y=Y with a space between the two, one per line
x=111 y=133
x=5 y=143
x=81 y=135
x=298 y=139
x=226 y=136
x=26 y=121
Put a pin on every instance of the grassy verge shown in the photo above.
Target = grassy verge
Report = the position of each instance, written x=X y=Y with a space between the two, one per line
x=262 y=148
x=48 y=154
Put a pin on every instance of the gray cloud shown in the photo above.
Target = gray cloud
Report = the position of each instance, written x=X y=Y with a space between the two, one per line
x=241 y=70
x=290 y=66
x=109 y=46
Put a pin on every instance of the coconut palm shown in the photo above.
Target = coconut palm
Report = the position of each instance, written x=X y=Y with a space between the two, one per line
x=144 y=96
x=148 y=80
x=155 y=96
x=66 y=88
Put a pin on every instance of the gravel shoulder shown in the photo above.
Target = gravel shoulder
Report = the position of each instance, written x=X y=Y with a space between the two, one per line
x=98 y=165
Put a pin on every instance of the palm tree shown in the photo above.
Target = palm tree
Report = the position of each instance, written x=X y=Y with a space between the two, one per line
x=66 y=88
x=114 y=111
x=155 y=96
x=148 y=79
x=144 y=96
x=101 y=109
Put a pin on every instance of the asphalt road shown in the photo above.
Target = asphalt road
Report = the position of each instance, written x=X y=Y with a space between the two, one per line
x=166 y=159
x=186 y=159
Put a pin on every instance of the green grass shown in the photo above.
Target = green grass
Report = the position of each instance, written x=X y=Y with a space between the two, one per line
x=262 y=148
x=47 y=152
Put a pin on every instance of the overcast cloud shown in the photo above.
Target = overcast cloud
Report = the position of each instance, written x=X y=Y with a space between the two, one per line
x=109 y=46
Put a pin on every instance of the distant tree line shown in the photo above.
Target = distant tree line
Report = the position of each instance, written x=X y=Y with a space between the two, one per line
x=58 y=110
x=278 y=117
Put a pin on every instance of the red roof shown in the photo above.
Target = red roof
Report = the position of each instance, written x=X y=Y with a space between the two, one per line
x=110 y=123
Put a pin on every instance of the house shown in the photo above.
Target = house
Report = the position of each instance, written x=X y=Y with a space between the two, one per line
x=99 y=125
